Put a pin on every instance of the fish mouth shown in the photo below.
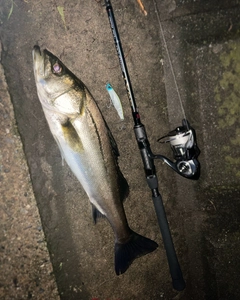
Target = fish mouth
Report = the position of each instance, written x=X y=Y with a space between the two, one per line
x=37 y=54
x=36 y=49
x=38 y=62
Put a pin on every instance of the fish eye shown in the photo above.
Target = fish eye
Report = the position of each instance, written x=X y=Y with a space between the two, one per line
x=57 y=68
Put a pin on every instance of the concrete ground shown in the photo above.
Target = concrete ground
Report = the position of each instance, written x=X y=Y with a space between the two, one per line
x=25 y=267
x=204 y=45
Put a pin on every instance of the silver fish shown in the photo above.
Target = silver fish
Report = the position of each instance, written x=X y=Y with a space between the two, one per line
x=89 y=149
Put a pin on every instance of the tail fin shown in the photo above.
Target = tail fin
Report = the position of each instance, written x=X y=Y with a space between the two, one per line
x=136 y=247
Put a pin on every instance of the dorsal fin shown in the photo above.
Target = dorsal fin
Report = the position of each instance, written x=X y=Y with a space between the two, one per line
x=123 y=185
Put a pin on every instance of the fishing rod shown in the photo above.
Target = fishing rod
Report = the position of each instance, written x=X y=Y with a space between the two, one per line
x=184 y=146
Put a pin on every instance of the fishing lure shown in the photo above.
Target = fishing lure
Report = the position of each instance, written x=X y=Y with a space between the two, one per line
x=115 y=100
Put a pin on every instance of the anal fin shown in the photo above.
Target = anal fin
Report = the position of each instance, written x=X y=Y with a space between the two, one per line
x=96 y=214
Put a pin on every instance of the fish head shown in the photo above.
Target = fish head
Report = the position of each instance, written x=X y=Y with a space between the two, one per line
x=52 y=77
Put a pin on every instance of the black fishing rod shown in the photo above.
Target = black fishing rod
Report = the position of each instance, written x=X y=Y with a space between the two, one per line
x=185 y=151
x=148 y=159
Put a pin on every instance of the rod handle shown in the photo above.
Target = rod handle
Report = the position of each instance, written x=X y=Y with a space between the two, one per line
x=175 y=269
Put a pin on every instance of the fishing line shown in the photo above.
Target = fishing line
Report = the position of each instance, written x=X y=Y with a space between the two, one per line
x=169 y=60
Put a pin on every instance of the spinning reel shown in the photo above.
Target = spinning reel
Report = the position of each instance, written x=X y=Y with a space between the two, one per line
x=185 y=151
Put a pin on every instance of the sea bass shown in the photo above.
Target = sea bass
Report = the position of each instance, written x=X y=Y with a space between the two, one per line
x=88 y=147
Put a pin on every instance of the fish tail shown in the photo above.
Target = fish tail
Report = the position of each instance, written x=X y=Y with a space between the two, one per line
x=136 y=247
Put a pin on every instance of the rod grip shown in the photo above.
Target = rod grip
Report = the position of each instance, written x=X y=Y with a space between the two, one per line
x=175 y=269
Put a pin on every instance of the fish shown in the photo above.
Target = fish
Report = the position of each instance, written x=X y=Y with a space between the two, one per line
x=115 y=100
x=89 y=149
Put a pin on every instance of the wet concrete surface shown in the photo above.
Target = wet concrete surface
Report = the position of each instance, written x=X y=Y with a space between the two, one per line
x=203 y=42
